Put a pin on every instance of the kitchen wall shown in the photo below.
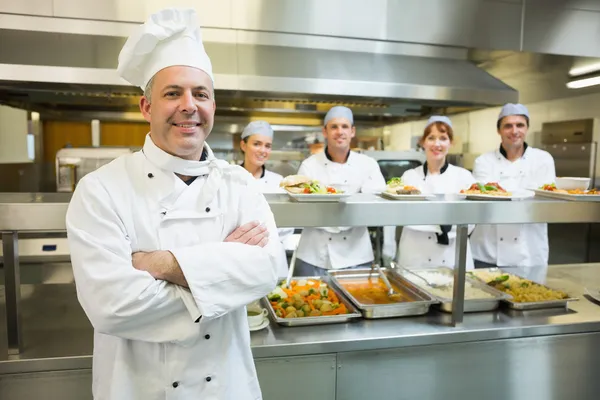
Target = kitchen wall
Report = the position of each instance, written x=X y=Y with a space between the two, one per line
x=477 y=129
x=13 y=136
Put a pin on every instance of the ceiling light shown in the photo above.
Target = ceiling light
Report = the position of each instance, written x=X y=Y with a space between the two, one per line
x=585 y=82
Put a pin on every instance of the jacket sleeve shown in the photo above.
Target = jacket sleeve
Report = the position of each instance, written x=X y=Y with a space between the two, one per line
x=226 y=276
x=546 y=172
x=118 y=299
x=482 y=170
x=375 y=183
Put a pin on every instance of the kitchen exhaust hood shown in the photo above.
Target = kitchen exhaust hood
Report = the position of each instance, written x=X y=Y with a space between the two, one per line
x=74 y=70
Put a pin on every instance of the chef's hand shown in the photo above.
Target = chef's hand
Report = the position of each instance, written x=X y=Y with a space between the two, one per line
x=161 y=264
x=252 y=233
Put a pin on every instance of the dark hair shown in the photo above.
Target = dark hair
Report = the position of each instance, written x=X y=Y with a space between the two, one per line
x=440 y=126
x=245 y=140
x=499 y=123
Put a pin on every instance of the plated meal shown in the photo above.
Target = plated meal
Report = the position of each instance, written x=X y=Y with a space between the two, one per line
x=300 y=184
x=305 y=298
x=490 y=189
x=551 y=187
x=522 y=290
x=396 y=186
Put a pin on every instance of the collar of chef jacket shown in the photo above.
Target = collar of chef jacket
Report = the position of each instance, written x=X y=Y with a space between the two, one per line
x=425 y=171
x=263 y=170
x=503 y=152
x=331 y=159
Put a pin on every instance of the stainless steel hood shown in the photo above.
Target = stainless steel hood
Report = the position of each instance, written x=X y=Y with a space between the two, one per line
x=58 y=71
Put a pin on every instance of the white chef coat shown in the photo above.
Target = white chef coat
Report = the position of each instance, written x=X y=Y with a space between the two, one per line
x=340 y=247
x=269 y=183
x=418 y=245
x=513 y=245
x=154 y=339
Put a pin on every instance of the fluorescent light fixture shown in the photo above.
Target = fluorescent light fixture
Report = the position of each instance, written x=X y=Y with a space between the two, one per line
x=585 y=82
x=584 y=69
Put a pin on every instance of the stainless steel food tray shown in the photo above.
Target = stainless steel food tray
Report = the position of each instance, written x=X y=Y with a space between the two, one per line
x=445 y=303
x=534 y=305
x=320 y=320
x=373 y=311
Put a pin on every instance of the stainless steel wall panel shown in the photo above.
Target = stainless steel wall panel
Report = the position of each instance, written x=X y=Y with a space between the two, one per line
x=550 y=27
x=348 y=18
x=487 y=24
x=28 y=7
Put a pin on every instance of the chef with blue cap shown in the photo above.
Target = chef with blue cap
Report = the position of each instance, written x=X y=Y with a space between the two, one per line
x=330 y=248
x=432 y=246
x=520 y=248
x=169 y=244
x=256 y=145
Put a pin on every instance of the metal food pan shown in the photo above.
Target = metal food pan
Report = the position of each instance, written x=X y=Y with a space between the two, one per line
x=534 y=305
x=373 y=311
x=470 y=305
x=320 y=320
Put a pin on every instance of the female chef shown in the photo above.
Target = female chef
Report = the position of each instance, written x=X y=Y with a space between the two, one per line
x=434 y=246
x=256 y=144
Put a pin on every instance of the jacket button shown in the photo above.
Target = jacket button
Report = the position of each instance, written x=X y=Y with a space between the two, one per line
x=175 y=384
x=443 y=261
x=330 y=239
x=207 y=336
x=207 y=209
x=163 y=213
x=515 y=239
x=344 y=237
x=429 y=237
x=430 y=260
x=150 y=175
x=501 y=239
x=208 y=379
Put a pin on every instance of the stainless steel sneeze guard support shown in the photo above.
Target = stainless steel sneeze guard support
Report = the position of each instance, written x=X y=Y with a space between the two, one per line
x=44 y=212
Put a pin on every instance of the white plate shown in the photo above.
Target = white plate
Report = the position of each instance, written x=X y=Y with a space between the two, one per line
x=407 y=196
x=517 y=195
x=263 y=325
x=319 y=197
x=567 y=196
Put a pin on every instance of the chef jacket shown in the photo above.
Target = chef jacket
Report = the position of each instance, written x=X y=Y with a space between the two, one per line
x=340 y=247
x=513 y=245
x=154 y=339
x=419 y=245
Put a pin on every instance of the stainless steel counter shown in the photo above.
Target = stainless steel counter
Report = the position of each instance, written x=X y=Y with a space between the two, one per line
x=46 y=211
x=73 y=345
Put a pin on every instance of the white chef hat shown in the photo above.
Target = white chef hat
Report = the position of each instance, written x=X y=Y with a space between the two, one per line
x=339 y=112
x=169 y=37
x=439 y=118
x=258 y=127
x=513 y=109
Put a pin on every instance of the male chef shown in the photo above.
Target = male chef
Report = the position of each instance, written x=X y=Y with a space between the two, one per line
x=322 y=249
x=522 y=248
x=169 y=244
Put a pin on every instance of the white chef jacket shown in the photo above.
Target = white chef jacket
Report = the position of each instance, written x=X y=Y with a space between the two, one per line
x=418 y=245
x=154 y=339
x=513 y=245
x=340 y=247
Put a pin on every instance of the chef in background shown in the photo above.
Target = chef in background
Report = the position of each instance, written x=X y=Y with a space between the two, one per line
x=256 y=145
x=169 y=244
x=520 y=248
x=323 y=249
x=434 y=246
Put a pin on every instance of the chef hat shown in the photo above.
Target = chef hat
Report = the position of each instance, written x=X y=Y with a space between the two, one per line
x=258 y=127
x=169 y=37
x=513 y=109
x=439 y=118
x=339 y=112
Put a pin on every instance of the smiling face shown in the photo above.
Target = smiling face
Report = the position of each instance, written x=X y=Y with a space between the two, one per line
x=512 y=130
x=257 y=149
x=181 y=113
x=436 y=141
x=339 y=133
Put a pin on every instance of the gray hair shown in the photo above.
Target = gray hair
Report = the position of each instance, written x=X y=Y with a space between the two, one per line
x=148 y=90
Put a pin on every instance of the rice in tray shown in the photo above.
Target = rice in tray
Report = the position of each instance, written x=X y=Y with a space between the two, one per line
x=522 y=290
x=439 y=278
